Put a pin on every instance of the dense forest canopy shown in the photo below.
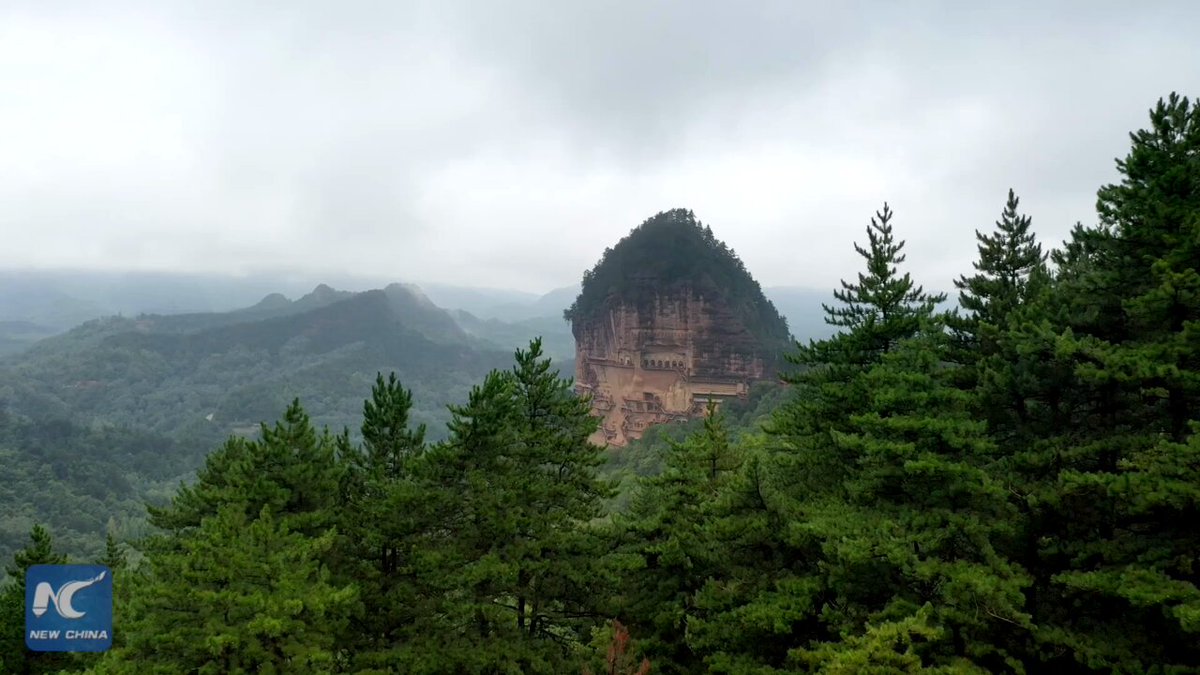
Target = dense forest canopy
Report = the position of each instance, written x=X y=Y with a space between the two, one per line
x=669 y=252
x=1011 y=487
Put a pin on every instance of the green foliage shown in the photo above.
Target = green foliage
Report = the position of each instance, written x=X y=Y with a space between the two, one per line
x=883 y=307
x=292 y=471
x=239 y=581
x=1109 y=475
x=237 y=595
x=384 y=515
x=921 y=516
x=81 y=482
x=517 y=568
x=877 y=313
x=114 y=557
x=619 y=653
x=886 y=648
x=645 y=456
x=669 y=549
x=1006 y=272
x=387 y=438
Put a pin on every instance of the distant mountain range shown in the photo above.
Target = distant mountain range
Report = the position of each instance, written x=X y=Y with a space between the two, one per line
x=37 y=304
x=213 y=374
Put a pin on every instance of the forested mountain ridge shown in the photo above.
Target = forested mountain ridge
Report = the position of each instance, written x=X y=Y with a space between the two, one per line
x=169 y=374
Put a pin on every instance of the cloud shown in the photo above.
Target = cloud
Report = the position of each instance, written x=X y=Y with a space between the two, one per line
x=507 y=144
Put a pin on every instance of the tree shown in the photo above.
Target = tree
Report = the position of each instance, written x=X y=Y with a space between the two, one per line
x=1114 y=578
x=247 y=547
x=388 y=437
x=516 y=568
x=666 y=533
x=292 y=469
x=884 y=307
x=237 y=595
x=878 y=312
x=618 y=658
x=114 y=557
x=1005 y=272
x=1153 y=217
x=385 y=518
x=758 y=600
x=1009 y=273
x=920 y=519
x=785 y=508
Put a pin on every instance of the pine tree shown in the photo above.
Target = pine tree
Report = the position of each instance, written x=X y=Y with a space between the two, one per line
x=884 y=307
x=1009 y=273
x=1009 y=260
x=666 y=533
x=247 y=547
x=1153 y=216
x=1115 y=578
x=293 y=470
x=237 y=595
x=887 y=647
x=388 y=437
x=751 y=616
x=619 y=656
x=517 y=569
x=114 y=557
x=759 y=600
x=384 y=518
x=920 y=517
x=878 y=312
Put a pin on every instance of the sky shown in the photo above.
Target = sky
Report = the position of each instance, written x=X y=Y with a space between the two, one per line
x=506 y=144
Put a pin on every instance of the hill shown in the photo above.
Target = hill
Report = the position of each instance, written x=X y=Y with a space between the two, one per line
x=668 y=321
x=211 y=374
x=83 y=482
x=666 y=254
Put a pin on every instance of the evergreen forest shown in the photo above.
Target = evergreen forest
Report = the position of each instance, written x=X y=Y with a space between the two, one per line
x=1009 y=487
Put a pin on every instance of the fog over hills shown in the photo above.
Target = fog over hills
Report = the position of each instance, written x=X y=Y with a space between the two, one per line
x=35 y=304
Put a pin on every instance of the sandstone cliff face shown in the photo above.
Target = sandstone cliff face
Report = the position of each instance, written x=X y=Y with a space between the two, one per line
x=663 y=360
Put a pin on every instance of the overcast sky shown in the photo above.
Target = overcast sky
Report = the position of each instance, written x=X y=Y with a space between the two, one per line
x=508 y=143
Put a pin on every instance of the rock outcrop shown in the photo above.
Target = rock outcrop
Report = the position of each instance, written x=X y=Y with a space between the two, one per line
x=668 y=321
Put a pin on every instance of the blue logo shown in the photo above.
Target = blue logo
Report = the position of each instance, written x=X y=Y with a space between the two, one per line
x=68 y=608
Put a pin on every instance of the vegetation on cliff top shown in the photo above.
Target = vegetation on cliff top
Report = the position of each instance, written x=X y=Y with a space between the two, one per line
x=670 y=252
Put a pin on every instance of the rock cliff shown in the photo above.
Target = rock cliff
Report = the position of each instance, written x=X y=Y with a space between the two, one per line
x=667 y=321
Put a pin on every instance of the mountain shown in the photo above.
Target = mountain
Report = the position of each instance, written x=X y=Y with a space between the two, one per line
x=62 y=299
x=548 y=304
x=212 y=374
x=557 y=341
x=17 y=336
x=667 y=322
x=485 y=303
